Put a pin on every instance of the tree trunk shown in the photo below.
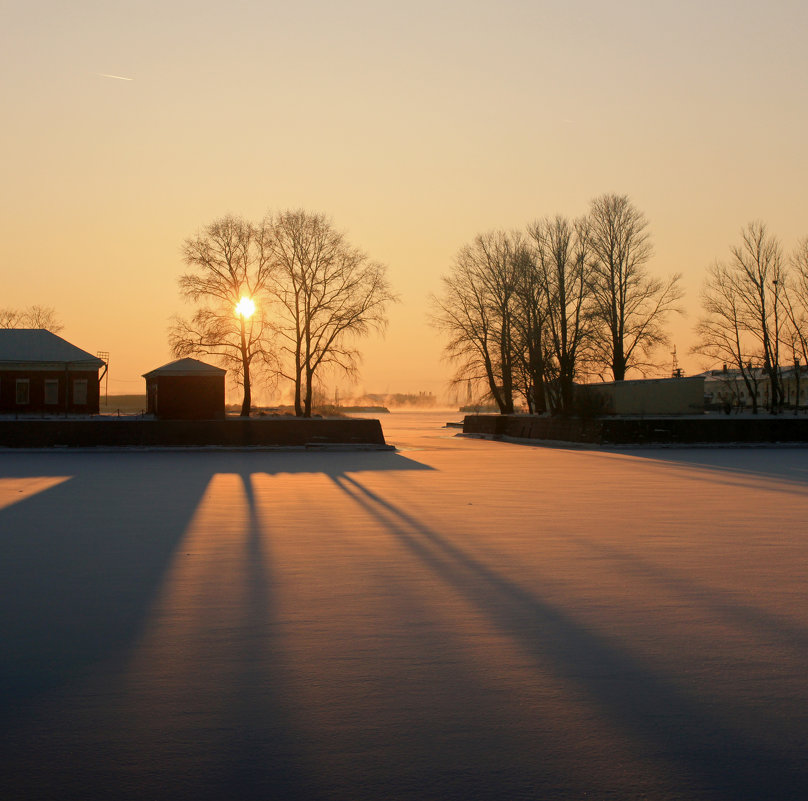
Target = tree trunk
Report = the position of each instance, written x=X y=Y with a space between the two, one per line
x=298 y=392
x=536 y=362
x=307 y=402
x=567 y=393
x=245 y=364
x=506 y=365
x=796 y=388
x=752 y=390
x=619 y=366
x=537 y=379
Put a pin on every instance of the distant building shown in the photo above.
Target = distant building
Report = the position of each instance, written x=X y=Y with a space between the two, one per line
x=650 y=396
x=41 y=372
x=186 y=389
x=727 y=387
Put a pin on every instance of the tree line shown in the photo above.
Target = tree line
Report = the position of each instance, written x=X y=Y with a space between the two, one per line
x=528 y=313
x=755 y=316
x=31 y=317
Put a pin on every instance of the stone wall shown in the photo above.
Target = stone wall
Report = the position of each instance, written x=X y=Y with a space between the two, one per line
x=625 y=431
x=233 y=433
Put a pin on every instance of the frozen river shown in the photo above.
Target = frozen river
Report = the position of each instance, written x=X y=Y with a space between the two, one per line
x=459 y=619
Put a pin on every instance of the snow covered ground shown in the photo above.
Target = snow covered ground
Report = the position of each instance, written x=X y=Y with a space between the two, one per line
x=461 y=619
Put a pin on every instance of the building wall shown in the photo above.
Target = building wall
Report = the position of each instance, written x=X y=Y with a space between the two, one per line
x=729 y=388
x=795 y=388
x=37 y=391
x=233 y=432
x=639 y=430
x=179 y=397
x=652 y=396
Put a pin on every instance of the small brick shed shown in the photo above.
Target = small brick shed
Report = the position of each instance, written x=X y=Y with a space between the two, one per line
x=186 y=389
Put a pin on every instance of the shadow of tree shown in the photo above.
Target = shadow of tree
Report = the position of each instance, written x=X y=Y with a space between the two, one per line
x=82 y=561
x=204 y=713
x=785 y=465
x=695 y=738
x=752 y=619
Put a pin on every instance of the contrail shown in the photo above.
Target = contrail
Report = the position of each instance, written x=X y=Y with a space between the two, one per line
x=117 y=77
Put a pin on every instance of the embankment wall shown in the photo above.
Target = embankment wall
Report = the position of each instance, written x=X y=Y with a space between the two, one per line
x=625 y=431
x=233 y=433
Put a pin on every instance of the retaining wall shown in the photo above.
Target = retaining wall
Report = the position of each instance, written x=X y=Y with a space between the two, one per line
x=625 y=431
x=233 y=433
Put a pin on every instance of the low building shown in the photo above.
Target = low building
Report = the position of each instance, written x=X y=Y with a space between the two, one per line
x=728 y=389
x=186 y=389
x=41 y=372
x=649 y=396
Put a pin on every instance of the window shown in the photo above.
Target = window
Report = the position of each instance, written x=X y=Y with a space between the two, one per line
x=51 y=391
x=23 y=391
x=80 y=392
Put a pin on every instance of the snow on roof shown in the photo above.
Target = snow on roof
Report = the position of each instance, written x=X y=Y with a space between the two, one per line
x=642 y=381
x=755 y=373
x=37 y=346
x=186 y=366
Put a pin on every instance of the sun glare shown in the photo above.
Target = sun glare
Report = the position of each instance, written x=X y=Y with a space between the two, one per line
x=245 y=307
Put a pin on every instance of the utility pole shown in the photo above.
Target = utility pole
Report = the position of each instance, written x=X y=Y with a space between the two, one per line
x=676 y=372
x=104 y=356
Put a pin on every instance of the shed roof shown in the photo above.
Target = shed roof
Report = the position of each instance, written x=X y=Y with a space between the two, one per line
x=37 y=346
x=185 y=366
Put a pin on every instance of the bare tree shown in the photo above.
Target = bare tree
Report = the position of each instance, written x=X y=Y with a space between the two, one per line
x=32 y=317
x=758 y=269
x=631 y=305
x=722 y=333
x=327 y=294
x=565 y=268
x=743 y=321
x=795 y=300
x=230 y=260
x=529 y=329
x=478 y=310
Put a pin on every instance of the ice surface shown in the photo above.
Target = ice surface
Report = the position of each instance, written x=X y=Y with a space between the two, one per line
x=460 y=619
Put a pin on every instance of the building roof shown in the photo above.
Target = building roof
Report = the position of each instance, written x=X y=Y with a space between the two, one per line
x=643 y=382
x=37 y=347
x=185 y=366
x=755 y=373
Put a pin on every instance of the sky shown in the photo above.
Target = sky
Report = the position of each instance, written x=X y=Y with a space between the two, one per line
x=414 y=126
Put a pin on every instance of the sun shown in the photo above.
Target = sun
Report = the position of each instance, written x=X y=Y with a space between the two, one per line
x=245 y=307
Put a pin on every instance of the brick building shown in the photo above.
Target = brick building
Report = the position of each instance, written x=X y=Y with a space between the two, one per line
x=186 y=389
x=41 y=372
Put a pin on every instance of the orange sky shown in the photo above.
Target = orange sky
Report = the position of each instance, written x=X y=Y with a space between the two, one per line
x=414 y=127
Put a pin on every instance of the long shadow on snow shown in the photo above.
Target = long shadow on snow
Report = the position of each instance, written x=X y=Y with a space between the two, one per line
x=785 y=465
x=257 y=751
x=731 y=763
x=782 y=463
x=81 y=563
x=761 y=623
x=216 y=722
